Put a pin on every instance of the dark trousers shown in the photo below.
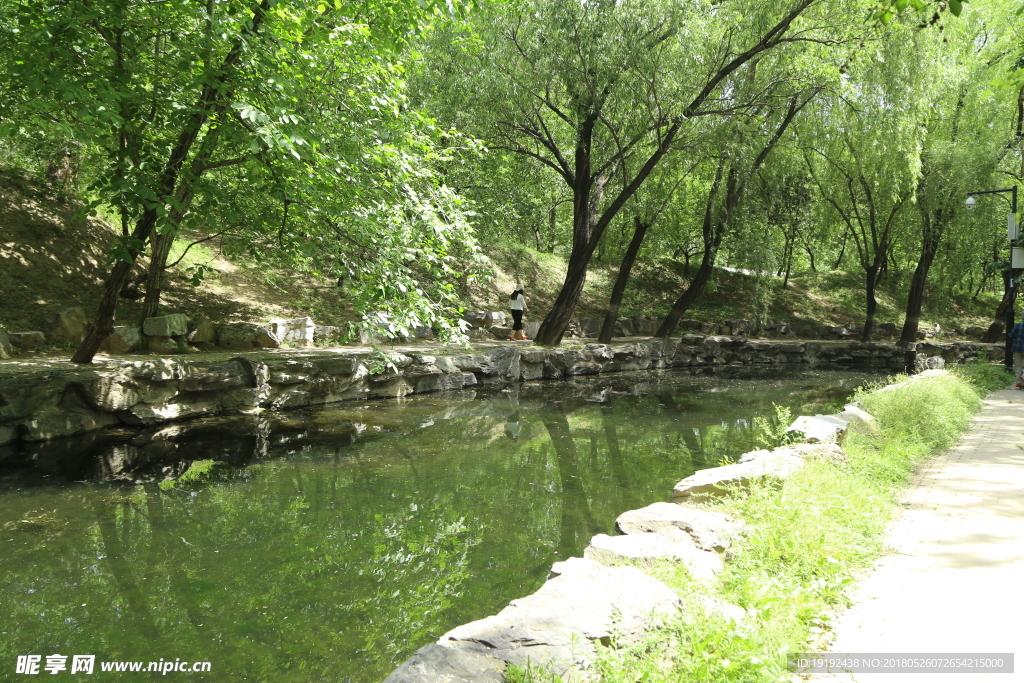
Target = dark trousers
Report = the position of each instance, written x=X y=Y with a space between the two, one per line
x=517 y=320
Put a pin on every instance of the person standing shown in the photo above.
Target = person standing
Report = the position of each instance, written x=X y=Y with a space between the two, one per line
x=517 y=303
x=1017 y=346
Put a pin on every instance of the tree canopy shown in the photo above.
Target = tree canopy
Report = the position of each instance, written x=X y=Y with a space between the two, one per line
x=378 y=144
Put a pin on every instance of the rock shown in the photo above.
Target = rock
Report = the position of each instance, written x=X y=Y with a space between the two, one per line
x=600 y=352
x=975 y=332
x=737 y=326
x=623 y=327
x=531 y=329
x=68 y=325
x=324 y=333
x=245 y=336
x=557 y=626
x=26 y=341
x=174 y=325
x=643 y=327
x=502 y=362
x=805 y=451
x=423 y=332
x=6 y=348
x=820 y=428
x=485 y=319
x=436 y=663
x=647 y=550
x=202 y=332
x=859 y=420
x=122 y=340
x=709 y=530
x=689 y=324
x=166 y=345
x=924 y=362
x=887 y=330
x=296 y=331
x=477 y=319
x=499 y=332
x=590 y=327
x=718 y=481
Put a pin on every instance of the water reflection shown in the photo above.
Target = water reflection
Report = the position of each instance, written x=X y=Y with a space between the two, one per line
x=329 y=544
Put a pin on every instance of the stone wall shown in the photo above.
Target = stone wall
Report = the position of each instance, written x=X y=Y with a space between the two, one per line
x=37 y=407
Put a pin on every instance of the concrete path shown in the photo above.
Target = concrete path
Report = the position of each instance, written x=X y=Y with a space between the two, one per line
x=955 y=580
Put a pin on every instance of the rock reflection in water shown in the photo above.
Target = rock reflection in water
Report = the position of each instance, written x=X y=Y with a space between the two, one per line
x=343 y=538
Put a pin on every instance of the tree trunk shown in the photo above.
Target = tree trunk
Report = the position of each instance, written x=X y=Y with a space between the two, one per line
x=810 y=255
x=915 y=298
x=162 y=244
x=995 y=333
x=716 y=222
x=842 y=252
x=557 y=320
x=211 y=93
x=607 y=329
x=588 y=227
x=869 y=290
x=696 y=288
x=930 y=238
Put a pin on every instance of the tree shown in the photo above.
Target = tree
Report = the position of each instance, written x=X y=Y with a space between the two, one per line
x=950 y=168
x=732 y=176
x=858 y=157
x=164 y=88
x=601 y=92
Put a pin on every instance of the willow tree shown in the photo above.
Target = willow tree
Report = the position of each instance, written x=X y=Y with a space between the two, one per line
x=965 y=136
x=860 y=150
x=601 y=92
x=736 y=167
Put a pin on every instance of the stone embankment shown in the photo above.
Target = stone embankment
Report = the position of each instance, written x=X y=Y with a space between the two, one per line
x=176 y=333
x=605 y=597
x=61 y=400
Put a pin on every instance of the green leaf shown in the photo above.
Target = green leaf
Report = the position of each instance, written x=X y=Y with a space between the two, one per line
x=955 y=7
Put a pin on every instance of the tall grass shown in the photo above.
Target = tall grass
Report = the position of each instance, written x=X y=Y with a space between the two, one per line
x=807 y=540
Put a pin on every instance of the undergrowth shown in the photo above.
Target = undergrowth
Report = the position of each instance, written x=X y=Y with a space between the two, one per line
x=806 y=541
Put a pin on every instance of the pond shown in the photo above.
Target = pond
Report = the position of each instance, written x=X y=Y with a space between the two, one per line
x=329 y=544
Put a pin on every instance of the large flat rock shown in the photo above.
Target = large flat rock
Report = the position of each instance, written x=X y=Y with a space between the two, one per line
x=556 y=627
x=647 y=550
x=436 y=663
x=819 y=428
x=718 y=481
x=709 y=530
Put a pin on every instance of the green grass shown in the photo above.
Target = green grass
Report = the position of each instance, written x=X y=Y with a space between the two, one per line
x=807 y=541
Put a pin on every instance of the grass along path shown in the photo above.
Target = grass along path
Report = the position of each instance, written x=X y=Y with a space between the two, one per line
x=809 y=540
x=953 y=582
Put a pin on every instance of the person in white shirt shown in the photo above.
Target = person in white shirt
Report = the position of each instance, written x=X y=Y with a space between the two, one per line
x=517 y=302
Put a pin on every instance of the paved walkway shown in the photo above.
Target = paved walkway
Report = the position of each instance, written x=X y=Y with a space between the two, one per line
x=955 y=583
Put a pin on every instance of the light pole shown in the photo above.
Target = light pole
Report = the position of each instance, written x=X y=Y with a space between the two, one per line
x=1011 y=286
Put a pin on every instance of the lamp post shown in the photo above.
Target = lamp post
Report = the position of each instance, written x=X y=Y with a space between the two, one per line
x=1012 y=234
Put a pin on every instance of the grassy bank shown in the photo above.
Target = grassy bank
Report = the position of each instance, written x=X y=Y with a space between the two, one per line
x=807 y=542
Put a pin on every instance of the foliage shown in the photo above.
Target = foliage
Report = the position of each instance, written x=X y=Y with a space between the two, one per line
x=985 y=377
x=283 y=123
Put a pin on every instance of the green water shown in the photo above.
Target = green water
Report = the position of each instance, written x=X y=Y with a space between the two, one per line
x=328 y=545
